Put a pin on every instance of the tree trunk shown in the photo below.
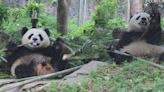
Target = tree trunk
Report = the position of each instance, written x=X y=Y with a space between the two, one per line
x=134 y=6
x=128 y=10
x=62 y=12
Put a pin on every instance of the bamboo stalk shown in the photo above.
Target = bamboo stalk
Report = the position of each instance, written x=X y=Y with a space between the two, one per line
x=31 y=79
x=140 y=59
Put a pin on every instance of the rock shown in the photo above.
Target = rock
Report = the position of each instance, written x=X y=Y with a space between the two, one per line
x=82 y=73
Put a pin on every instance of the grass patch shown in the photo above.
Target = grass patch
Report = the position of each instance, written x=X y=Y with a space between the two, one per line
x=130 y=77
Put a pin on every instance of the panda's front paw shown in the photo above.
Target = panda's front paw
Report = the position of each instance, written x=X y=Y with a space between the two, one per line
x=11 y=46
x=160 y=58
x=120 y=58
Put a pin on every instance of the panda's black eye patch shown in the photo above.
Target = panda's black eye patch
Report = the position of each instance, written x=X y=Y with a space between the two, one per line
x=138 y=17
x=30 y=36
x=40 y=36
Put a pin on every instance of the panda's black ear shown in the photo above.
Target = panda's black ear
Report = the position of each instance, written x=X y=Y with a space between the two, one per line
x=131 y=16
x=59 y=40
x=24 y=30
x=47 y=31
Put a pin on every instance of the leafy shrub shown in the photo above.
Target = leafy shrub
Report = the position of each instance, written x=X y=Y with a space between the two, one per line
x=3 y=14
x=19 y=17
x=75 y=30
x=48 y=21
x=34 y=8
x=116 y=23
x=105 y=11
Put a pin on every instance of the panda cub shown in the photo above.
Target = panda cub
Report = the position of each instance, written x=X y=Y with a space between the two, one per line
x=136 y=41
x=32 y=58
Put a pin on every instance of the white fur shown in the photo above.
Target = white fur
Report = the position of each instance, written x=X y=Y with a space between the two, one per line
x=14 y=66
x=66 y=56
x=142 y=48
x=134 y=24
x=29 y=43
x=27 y=59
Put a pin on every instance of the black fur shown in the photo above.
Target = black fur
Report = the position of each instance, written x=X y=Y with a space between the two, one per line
x=155 y=29
x=126 y=39
x=55 y=51
x=47 y=31
x=161 y=58
x=119 y=58
x=152 y=36
x=24 y=30
x=25 y=70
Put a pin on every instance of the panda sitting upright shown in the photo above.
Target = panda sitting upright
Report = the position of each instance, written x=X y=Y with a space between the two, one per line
x=38 y=55
x=138 y=41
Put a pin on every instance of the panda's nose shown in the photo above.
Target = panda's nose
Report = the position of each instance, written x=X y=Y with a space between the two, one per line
x=143 y=19
x=35 y=39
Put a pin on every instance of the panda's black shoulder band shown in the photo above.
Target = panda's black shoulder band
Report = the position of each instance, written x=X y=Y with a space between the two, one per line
x=47 y=31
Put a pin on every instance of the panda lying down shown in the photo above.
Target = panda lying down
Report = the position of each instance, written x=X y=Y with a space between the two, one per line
x=138 y=41
x=38 y=55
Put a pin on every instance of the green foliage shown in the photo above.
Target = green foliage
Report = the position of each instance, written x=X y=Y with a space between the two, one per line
x=93 y=38
x=48 y=21
x=3 y=14
x=75 y=30
x=100 y=40
x=131 y=77
x=34 y=8
x=105 y=11
x=117 y=22
x=90 y=42
x=17 y=19
x=54 y=2
x=33 y=5
x=58 y=88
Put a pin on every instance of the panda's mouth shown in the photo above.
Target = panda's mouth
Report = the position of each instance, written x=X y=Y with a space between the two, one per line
x=143 y=23
x=35 y=44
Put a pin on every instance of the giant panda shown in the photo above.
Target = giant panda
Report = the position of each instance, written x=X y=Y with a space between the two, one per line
x=36 y=43
x=136 y=41
x=139 y=22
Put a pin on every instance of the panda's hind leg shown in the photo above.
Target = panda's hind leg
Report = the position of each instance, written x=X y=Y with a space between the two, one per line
x=23 y=71
x=161 y=58
x=120 y=58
